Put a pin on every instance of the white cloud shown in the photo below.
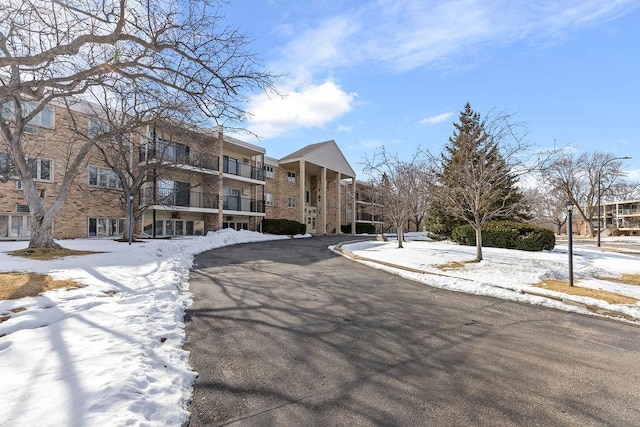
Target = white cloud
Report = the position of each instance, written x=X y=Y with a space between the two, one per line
x=311 y=106
x=434 y=120
x=410 y=34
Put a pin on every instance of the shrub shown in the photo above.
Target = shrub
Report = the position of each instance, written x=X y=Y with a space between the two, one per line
x=283 y=226
x=508 y=235
x=361 y=228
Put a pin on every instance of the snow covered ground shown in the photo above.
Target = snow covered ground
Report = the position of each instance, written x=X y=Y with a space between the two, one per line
x=509 y=274
x=110 y=353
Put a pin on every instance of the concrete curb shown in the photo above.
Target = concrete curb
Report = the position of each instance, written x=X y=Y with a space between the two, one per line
x=592 y=308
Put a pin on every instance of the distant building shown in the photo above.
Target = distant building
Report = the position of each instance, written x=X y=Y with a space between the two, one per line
x=617 y=219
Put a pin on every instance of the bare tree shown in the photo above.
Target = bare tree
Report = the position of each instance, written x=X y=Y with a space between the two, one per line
x=548 y=207
x=397 y=184
x=476 y=175
x=175 y=53
x=586 y=177
x=421 y=182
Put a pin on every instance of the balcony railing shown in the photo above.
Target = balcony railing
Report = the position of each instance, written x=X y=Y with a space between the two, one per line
x=197 y=199
x=363 y=216
x=243 y=170
x=183 y=198
x=242 y=204
x=192 y=158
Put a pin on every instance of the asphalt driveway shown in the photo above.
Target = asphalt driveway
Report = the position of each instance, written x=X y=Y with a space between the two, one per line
x=286 y=333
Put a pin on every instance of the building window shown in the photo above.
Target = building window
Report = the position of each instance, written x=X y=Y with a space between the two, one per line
x=291 y=177
x=5 y=167
x=268 y=199
x=268 y=172
x=97 y=127
x=292 y=202
x=103 y=177
x=230 y=165
x=41 y=169
x=172 y=151
x=45 y=118
x=105 y=227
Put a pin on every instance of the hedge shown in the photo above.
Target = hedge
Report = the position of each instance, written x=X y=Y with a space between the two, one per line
x=361 y=228
x=508 y=235
x=283 y=226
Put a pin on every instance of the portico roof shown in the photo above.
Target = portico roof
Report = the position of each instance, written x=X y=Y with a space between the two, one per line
x=324 y=155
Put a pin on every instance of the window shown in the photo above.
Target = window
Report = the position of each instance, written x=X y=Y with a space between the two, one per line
x=268 y=199
x=230 y=165
x=268 y=172
x=173 y=193
x=97 y=127
x=41 y=169
x=103 y=177
x=45 y=118
x=291 y=176
x=4 y=164
x=105 y=227
x=172 y=151
x=292 y=202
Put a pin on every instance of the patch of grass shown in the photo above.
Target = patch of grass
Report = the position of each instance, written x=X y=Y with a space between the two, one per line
x=45 y=254
x=562 y=286
x=626 y=279
x=455 y=264
x=20 y=285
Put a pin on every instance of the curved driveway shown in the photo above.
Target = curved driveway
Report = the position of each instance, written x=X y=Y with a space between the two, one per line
x=286 y=333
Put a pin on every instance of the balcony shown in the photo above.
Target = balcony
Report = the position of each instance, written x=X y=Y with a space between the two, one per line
x=184 y=198
x=363 y=216
x=242 y=204
x=200 y=200
x=243 y=170
x=180 y=158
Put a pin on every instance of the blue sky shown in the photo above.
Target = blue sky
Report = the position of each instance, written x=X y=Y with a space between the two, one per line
x=398 y=72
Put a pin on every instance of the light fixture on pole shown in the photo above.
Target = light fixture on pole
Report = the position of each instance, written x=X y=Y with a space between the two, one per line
x=600 y=192
x=130 y=236
x=569 y=206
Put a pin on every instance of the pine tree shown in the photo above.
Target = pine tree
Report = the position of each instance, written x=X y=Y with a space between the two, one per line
x=474 y=181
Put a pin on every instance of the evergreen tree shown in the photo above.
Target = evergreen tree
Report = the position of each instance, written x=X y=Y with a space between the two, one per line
x=474 y=181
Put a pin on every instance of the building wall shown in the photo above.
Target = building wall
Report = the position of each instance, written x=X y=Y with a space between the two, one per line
x=83 y=201
x=282 y=189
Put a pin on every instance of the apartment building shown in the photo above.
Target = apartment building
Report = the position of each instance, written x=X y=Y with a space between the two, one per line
x=194 y=183
x=306 y=186
x=617 y=219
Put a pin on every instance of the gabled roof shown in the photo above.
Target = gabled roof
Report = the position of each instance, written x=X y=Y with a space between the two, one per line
x=324 y=154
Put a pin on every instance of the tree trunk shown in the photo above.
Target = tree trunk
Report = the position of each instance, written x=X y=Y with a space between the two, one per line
x=478 y=242
x=400 y=238
x=42 y=232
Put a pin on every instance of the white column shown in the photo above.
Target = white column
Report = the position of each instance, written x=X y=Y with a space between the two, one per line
x=323 y=195
x=338 y=214
x=353 y=205
x=303 y=182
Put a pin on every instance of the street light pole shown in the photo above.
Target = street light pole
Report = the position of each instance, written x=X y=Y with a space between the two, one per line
x=569 y=206
x=600 y=191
